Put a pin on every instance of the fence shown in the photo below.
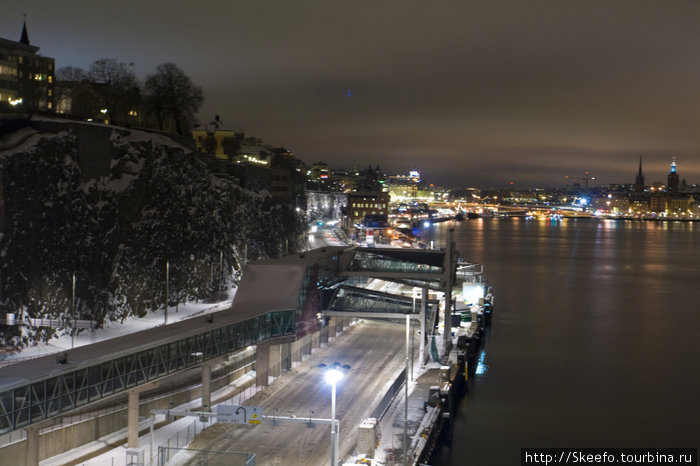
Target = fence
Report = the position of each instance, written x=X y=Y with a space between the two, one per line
x=386 y=401
x=207 y=457
x=182 y=438
x=220 y=374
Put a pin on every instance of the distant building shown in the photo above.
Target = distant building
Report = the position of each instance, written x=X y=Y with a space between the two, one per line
x=367 y=203
x=26 y=78
x=639 y=197
x=369 y=180
x=211 y=138
x=679 y=205
x=672 y=202
x=320 y=172
x=673 y=181
x=404 y=187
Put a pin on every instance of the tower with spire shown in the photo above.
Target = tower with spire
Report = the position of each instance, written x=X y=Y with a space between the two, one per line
x=639 y=180
x=28 y=84
x=24 y=38
x=673 y=181
x=639 y=198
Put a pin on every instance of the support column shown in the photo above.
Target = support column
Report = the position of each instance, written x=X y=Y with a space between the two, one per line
x=286 y=355
x=262 y=365
x=133 y=419
x=340 y=325
x=297 y=347
x=306 y=349
x=206 y=387
x=332 y=322
x=315 y=341
x=31 y=452
x=275 y=361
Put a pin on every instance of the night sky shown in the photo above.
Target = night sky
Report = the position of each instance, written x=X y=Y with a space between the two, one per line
x=472 y=93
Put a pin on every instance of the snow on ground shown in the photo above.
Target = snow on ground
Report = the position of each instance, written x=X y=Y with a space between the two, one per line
x=116 y=329
x=184 y=426
x=176 y=434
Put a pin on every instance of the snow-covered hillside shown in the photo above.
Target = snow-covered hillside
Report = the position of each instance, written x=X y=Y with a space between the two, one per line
x=112 y=211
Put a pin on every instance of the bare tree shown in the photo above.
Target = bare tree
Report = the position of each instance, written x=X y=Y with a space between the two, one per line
x=171 y=94
x=71 y=74
x=117 y=85
x=68 y=79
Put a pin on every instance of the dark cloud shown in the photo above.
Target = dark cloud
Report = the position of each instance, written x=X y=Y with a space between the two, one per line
x=477 y=93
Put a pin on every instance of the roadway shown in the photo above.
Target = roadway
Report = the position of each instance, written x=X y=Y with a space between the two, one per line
x=374 y=349
x=328 y=236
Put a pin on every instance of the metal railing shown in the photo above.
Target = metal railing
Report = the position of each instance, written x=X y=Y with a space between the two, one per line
x=208 y=457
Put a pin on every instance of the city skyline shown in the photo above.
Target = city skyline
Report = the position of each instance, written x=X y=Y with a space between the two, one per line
x=470 y=93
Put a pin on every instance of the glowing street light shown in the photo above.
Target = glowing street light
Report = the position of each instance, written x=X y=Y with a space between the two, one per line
x=333 y=376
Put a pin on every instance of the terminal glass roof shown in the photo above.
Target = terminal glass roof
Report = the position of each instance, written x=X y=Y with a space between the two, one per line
x=369 y=261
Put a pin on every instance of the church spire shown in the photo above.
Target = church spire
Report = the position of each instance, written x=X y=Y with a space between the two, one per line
x=639 y=180
x=25 y=36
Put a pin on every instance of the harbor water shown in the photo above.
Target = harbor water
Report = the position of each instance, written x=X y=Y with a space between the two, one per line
x=595 y=340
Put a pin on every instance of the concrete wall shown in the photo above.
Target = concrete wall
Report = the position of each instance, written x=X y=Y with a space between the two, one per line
x=60 y=440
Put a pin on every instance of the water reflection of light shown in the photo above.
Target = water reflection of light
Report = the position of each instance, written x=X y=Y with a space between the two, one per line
x=481 y=368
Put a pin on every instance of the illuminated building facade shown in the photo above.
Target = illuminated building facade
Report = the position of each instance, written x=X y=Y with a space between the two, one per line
x=26 y=78
x=254 y=155
x=320 y=172
x=672 y=203
x=211 y=139
x=404 y=188
x=363 y=204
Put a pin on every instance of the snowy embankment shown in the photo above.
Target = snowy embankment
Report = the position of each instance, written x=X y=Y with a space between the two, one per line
x=115 y=329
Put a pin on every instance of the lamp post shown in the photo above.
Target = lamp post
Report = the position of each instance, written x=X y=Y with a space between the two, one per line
x=405 y=413
x=333 y=376
x=72 y=310
x=167 y=279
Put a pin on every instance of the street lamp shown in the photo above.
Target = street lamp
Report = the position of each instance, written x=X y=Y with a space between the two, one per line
x=405 y=414
x=333 y=376
x=72 y=310
x=167 y=280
